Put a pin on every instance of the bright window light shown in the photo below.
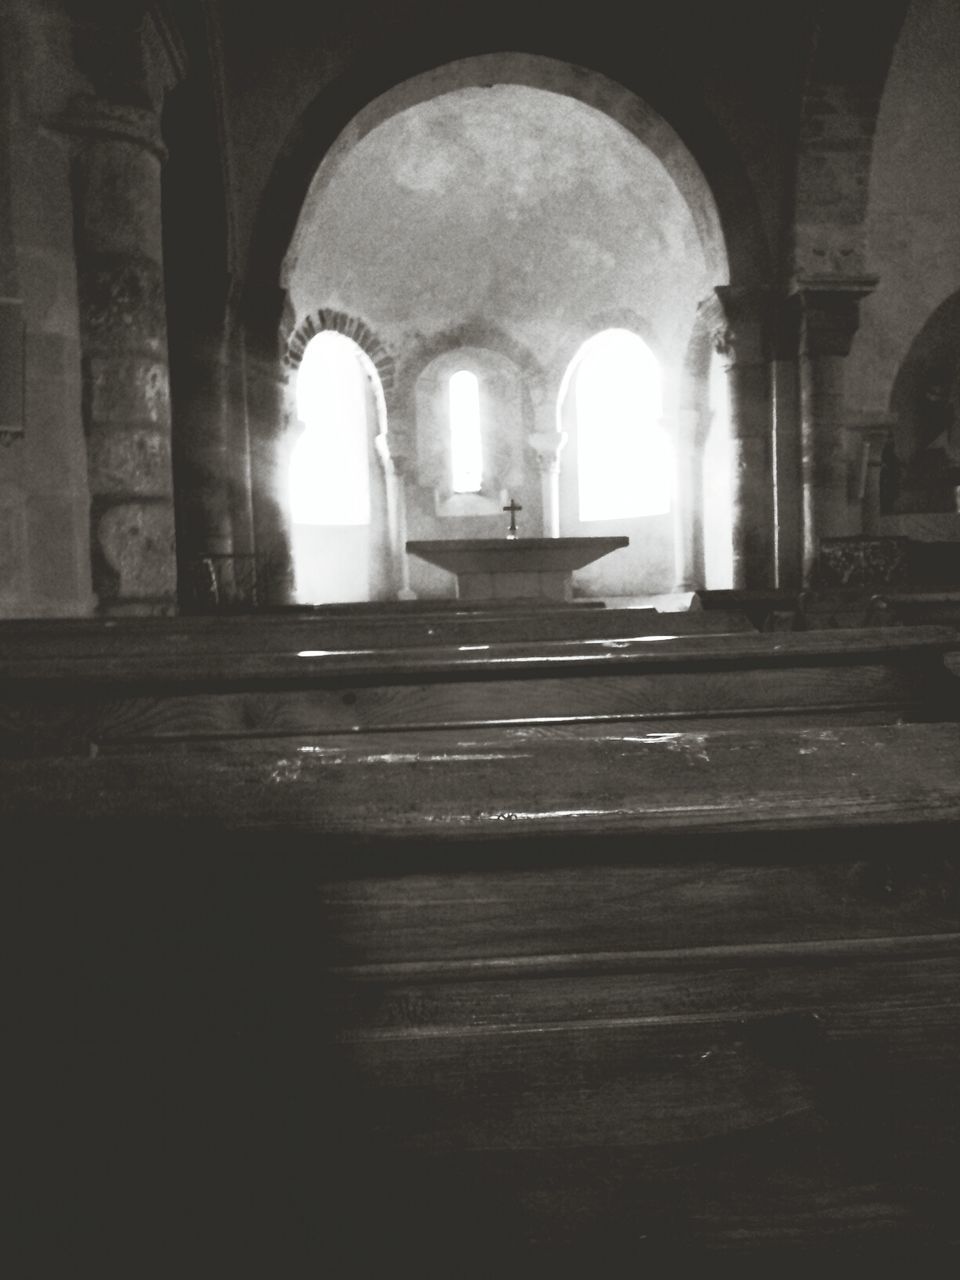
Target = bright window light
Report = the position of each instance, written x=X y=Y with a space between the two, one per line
x=624 y=456
x=329 y=467
x=466 y=447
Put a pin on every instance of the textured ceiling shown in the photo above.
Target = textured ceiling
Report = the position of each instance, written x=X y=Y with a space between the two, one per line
x=509 y=205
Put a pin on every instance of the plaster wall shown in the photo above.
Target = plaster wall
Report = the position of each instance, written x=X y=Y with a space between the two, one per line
x=726 y=78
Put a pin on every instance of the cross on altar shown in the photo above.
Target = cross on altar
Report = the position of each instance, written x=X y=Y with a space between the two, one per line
x=513 y=508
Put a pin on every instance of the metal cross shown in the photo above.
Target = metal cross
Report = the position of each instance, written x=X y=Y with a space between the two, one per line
x=513 y=508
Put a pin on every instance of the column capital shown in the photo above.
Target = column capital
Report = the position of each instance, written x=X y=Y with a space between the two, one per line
x=830 y=307
x=89 y=117
x=547 y=445
x=738 y=320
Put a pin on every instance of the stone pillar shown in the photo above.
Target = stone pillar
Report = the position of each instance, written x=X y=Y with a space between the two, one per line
x=739 y=321
x=689 y=438
x=548 y=445
x=830 y=316
x=117 y=227
x=787 y=467
x=397 y=465
x=12 y=327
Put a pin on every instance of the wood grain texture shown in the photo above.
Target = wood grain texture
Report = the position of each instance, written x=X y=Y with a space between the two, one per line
x=72 y=704
x=488 y=956
x=281 y=660
x=455 y=704
x=596 y=917
x=854 y=776
x=174 y=636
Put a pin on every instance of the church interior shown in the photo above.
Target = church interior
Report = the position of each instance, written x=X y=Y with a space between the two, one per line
x=480 y=633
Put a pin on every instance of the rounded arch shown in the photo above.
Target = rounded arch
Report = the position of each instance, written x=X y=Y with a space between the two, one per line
x=702 y=163
x=327 y=320
x=473 y=333
x=566 y=354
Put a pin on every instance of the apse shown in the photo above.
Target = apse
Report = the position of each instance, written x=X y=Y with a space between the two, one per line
x=487 y=238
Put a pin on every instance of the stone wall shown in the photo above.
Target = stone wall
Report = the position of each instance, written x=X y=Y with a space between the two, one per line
x=44 y=494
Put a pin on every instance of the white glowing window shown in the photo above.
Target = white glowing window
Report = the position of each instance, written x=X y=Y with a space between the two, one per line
x=625 y=464
x=466 y=444
x=329 y=467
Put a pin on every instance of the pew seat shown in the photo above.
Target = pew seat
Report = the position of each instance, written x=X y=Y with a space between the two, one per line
x=502 y=989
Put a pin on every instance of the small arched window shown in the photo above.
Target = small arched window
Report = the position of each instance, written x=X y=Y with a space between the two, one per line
x=329 y=466
x=466 y=443
x=625 y=466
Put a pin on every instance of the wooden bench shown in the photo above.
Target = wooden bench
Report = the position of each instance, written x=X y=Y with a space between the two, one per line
x=505 y=995
x=237 y=634
x=237 y=690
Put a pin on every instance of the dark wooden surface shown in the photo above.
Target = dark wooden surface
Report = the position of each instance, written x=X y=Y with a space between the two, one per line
x=264 y=686
x=778 y=778
x=318 y=985
x=174 y=639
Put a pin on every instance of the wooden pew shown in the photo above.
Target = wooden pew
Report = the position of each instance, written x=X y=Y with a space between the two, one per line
x=229 y=634
x=669 y=972
x=694 y=996
x=912 y=608
x=807 y=610
x=55 y=702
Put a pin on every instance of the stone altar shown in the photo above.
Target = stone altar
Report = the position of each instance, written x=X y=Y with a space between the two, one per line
x=511 y=568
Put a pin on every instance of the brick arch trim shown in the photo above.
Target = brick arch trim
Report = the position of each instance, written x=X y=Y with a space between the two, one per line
x=326 y=320
x=478 y=334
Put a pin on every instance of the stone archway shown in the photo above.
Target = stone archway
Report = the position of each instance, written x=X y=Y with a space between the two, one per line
x=700 y=159
x=714 y=225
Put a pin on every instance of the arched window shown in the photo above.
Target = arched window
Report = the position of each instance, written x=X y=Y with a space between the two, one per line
x=466 y=444
x=717 y=489
x=339 y=532
x=329 y=467
x=624 y=456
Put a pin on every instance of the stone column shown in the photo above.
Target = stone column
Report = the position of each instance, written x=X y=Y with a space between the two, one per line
x=117 y=227
x=830 y=316
x=787 y=468
x=739 y=321
x=12 y=328
x=689 y=439
x=397 y=465
x=548 y=445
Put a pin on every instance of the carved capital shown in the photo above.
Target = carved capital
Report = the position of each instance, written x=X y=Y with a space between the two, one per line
x=830 y=308
x=738 y=320
x=547 y=445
